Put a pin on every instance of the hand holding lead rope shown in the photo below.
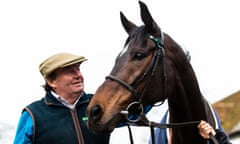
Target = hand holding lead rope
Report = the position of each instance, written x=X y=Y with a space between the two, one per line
x=135 y=116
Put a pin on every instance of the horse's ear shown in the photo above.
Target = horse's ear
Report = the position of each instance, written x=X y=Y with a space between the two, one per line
x=128 y=26
x=150 y=25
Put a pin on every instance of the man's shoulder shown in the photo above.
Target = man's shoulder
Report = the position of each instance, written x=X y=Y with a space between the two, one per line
x=35 y=103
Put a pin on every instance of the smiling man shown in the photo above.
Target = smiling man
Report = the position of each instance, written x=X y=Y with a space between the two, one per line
x=59 y=117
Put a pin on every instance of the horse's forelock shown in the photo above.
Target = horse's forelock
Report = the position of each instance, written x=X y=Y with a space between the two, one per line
x=139 y=36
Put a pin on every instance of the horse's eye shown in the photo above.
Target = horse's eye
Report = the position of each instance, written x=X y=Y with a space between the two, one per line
x=139 y=56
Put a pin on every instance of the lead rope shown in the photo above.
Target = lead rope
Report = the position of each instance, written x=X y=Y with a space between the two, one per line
x=145 y=122
x=213 y=138
x=131 y=137
x=130 y=134
x=152 y=134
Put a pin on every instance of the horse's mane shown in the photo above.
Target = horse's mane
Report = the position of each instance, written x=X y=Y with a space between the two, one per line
x=191 y=105
x=187 y=85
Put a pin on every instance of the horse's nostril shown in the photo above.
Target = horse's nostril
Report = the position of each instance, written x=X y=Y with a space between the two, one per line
x=96 y=112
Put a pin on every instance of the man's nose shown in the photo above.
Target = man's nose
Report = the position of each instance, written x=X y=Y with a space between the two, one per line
x=77 y=73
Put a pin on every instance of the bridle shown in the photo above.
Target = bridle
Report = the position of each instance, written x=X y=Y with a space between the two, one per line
x=135 y=112
x=150 y=71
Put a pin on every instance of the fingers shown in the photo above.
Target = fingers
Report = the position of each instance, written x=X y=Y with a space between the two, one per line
x=205 y=129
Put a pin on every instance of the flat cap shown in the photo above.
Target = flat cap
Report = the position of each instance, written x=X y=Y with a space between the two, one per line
x=59 y=60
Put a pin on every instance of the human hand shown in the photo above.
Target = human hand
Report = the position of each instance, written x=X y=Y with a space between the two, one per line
x=205 y=129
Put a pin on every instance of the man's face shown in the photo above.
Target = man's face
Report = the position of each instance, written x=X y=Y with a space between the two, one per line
x=68 y=81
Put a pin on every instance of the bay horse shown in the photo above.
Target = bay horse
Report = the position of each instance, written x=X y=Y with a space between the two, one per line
x=151 y=68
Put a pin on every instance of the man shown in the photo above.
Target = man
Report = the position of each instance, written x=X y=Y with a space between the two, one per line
x=59 y=117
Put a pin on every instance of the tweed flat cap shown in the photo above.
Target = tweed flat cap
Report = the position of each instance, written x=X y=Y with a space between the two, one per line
x=59 y=60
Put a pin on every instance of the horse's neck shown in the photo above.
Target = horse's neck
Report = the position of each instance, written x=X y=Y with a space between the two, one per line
x=187 y=102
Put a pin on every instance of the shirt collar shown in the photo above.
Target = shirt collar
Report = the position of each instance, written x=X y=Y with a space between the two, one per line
x=64 y=102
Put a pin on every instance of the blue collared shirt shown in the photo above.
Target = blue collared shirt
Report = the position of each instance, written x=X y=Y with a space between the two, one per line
x=24 y=131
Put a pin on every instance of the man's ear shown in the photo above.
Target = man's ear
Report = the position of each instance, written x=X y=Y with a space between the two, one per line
x=51 y=82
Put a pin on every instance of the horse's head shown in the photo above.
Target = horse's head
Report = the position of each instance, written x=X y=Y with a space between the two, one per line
x=139 y=74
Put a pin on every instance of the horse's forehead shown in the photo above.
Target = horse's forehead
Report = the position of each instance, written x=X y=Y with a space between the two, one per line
x=138 y=34
x=123 y=51
x=133 y=44
x=138 y=43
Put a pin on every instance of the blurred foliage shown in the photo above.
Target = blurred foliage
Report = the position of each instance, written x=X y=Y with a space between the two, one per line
x=228 y=110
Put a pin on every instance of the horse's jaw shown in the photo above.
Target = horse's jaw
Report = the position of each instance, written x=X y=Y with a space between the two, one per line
x=105 y=123
x=97 y=127
x=101 y=126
